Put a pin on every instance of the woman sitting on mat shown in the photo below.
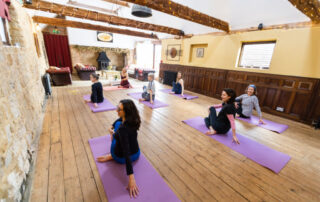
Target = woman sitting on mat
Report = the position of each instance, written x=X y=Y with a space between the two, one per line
x=222 y=123
x=150 y=90
x=96 y=90
x=124 y=79
x=124 y=137
x=246 y=102
x=178 y=85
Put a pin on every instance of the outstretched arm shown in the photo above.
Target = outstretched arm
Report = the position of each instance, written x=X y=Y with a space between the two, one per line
x=233 y=127
x=182 y=86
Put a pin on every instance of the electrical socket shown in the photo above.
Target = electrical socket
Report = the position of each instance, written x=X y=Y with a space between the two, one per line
x=280 y=109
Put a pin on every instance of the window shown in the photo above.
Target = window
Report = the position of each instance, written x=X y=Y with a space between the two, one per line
x=256 y=54
x=3 y=31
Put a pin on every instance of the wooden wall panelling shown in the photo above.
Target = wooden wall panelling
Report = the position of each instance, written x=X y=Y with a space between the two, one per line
x=298 y=96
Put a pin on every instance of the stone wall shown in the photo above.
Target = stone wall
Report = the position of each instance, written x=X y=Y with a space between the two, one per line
x=21 y=101
x=88 y=55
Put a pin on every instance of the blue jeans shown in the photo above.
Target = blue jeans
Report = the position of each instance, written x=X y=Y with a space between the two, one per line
x=121 y=160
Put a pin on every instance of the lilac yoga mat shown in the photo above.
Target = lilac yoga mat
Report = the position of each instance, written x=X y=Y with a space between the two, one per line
x=269 y=125
x=185 y=96
x=114 y=178
x=255 y=151
x=156 y=103
x=104 y=106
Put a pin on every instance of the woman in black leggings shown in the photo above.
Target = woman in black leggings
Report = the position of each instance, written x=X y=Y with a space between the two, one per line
x=222 y=123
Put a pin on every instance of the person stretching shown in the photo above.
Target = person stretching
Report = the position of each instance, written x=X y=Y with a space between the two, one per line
x=246 y=102
x=222 y=123
x=96 y=90
x=124 y=79
x=124 y=141
x=150 y=90
x=178 y=85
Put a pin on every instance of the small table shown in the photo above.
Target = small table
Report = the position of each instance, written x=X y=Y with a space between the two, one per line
x=110 y=74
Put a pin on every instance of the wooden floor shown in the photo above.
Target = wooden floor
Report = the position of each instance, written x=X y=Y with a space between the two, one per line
x=196 y=167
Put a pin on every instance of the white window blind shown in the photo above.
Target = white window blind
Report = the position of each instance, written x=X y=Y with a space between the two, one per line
x=256 y=55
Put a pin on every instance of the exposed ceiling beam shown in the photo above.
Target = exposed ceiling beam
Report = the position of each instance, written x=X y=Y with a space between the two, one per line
x=310 y=8
x=96 y=16
x=68 y=23
x=75 y=3
x=121 y=3
x=184 y=12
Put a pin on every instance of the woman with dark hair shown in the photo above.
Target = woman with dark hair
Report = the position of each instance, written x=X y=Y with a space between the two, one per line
x=124 y=147
x=222 y=123
x=124 y=79
x=178 y=85
x=246 y=102
x=96 y=90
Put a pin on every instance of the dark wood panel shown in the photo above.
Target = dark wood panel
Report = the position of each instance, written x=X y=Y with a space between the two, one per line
x=298 y=96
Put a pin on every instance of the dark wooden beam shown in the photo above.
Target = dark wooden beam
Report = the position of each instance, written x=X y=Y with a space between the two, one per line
x=183 y=12
x=96 y=16
x=310 y=8
x=68 y=23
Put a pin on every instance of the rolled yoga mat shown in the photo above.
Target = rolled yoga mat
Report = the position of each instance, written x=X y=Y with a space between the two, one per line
x=114 y=177
x=156 y=103
x=185 y=96
x=269 y=125
x=104 y=106
x=261 y=154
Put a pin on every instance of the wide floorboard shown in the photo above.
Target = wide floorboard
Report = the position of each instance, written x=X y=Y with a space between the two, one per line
x=196 y=167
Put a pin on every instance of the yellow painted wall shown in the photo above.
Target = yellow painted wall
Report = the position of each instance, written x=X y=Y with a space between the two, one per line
x=297 y=51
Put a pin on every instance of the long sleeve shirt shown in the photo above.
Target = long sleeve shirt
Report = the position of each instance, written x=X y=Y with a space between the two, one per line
x=126 y=144
x=248 y=103
x=96 y=93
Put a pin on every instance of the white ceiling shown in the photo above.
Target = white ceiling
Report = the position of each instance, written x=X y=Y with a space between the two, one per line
x=238 y=13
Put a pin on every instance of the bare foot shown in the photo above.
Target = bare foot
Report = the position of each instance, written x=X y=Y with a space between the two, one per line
x=141 y=100
x=87 y=101
x=211 y=132
x=105 y=158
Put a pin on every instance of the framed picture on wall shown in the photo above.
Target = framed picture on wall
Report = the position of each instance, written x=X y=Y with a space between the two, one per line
x=200 y=52
x=105 y=37
x=173 y=52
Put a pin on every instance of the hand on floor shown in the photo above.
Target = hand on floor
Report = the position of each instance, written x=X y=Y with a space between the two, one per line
x=235 y=140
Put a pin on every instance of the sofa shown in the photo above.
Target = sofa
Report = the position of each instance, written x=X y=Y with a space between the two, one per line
x=60 y=76
x=84 y=71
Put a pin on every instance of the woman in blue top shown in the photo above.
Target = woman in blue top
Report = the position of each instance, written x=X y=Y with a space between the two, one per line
x=124 y=136
x=178 y=85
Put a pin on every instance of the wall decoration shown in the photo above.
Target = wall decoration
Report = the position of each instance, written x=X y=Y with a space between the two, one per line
x=105 y=37
x=173 y=52
x=200 y=52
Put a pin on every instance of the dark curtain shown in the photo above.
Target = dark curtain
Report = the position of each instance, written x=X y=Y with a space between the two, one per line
x=57 y=47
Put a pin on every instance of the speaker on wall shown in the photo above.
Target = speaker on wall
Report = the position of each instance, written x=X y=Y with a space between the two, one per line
x=260 y=26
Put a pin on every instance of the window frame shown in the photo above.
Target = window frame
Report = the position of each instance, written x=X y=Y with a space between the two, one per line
x=5 y=26
x=250 y=43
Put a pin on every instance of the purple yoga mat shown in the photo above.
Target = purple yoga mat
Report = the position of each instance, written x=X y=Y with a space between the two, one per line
x=269 y=125
x=114 y=178
x=156 y=103
x=185 y=96
x=253 y=150
x=104 y=106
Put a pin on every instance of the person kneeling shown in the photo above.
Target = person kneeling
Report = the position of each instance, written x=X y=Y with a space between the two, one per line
x=149 y=91
x=124 y=136
x=222 y=123
x=96 y=90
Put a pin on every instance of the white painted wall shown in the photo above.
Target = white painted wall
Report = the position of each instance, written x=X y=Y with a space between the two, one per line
x=89 y=38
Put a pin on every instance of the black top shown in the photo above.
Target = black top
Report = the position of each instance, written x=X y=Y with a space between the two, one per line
x=97 y=93
x=226 y=109
x=126 y=144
